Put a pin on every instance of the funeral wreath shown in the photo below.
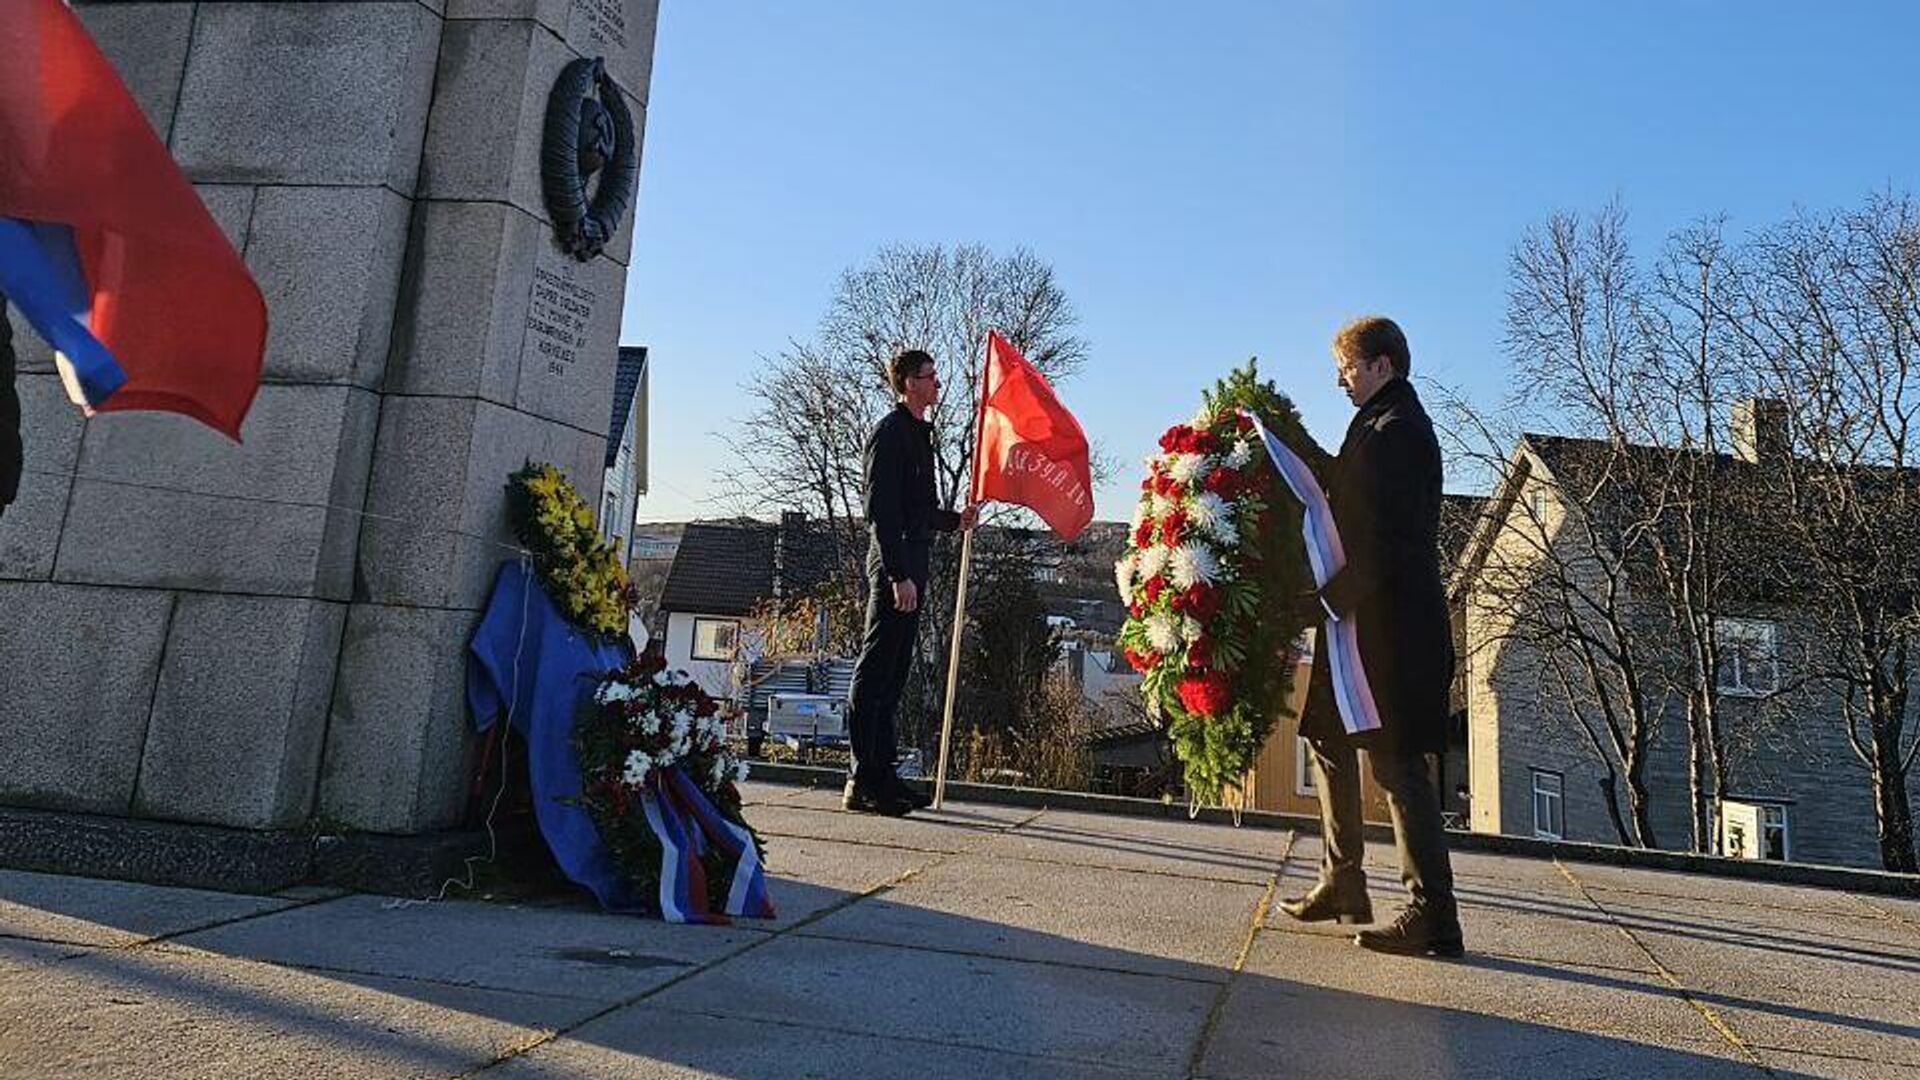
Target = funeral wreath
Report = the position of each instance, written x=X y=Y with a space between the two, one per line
x=1214 y=579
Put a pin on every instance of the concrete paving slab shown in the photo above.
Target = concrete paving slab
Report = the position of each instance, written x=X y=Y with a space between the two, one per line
x=807 y=876
x=1771 y=993
x=1620 y=1005
x=1146 y=923
x=1790 y=1065
x=1799 y=932
x=1073 y=1014
x=955 y=829
x=647 y=1043
x=88 y=911
x=1680 y=886
x=1275 y=1028
x=1204 y=852
x=154 y=1015
x=582 y=953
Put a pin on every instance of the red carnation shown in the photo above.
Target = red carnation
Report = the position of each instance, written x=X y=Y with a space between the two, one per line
x=1136 y=610
x=1199 y=655
x=1143 y=535
x=1167 y=486
x=1155 y=585
x=1243 y=422
x=1175 y=436
x=1205 y=695
x=1174 y=528
x=1142 y=661
x=1223 y=482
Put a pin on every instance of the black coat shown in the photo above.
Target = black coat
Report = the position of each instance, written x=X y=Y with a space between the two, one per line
x=902 y=508
x=1384 y=488
x=10 y=452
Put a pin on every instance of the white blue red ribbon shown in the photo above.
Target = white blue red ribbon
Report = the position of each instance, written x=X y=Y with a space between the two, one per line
x=686 y=822
x=1351 y=691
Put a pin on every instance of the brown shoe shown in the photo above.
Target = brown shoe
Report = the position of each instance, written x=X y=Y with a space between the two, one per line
x=1416 y=932
x=1324 y=903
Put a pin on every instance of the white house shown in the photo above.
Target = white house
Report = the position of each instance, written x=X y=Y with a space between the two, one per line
x=625 y=479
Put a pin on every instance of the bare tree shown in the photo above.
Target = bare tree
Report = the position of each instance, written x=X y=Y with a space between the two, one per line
x=1829 y=306
x=815 y=403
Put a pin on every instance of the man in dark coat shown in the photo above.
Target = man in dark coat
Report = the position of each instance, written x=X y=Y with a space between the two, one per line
x=902 y=513
x=10 y=451
x=1384 y=488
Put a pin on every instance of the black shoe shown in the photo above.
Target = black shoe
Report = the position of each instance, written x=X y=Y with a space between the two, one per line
x=911 y=795
x=1417 y=932
x=1325 y=902
x=861 y=800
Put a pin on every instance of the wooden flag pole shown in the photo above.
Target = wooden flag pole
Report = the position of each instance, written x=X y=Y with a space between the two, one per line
x=953 y=668
x=960 y=593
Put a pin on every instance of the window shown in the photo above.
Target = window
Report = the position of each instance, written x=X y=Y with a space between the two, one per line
x=715 y=639
x=1537 y=502
x=1549 y=805
x=1773 y=833
x=1749 y=657
x=1303 y=767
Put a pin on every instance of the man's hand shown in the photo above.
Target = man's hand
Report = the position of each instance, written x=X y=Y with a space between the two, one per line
x=969 y=517
x=906 y=596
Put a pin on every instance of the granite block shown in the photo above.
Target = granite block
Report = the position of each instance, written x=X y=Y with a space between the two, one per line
x=307 y=93
x=328 y=261
x=77 y=671
x=166 y=502
x=50 y=429
x=241 y=711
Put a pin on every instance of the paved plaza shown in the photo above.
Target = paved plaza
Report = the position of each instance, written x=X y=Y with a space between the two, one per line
x=980 y=942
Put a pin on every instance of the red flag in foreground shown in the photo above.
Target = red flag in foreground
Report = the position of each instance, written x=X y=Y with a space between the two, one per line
x=104 y=245
x=1031 y=450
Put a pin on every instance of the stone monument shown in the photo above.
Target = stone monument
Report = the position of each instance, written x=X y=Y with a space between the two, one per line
x=269 y=636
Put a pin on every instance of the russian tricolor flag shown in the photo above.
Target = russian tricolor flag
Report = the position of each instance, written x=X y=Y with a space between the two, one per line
x=104 y=245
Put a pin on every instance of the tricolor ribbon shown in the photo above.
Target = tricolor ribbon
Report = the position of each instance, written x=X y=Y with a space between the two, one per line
x=1351 y=692
x=686 y=823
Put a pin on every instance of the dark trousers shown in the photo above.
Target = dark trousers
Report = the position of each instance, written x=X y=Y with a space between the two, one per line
x=1414 y=802
x=886 y=653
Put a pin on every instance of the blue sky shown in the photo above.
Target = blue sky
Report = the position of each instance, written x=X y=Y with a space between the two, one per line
x=1213 y=180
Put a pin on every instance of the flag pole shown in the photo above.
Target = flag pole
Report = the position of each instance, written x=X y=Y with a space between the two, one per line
x=960 y=593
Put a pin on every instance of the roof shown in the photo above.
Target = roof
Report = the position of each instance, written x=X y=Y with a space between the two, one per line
x=626 y=381
x=732 y=567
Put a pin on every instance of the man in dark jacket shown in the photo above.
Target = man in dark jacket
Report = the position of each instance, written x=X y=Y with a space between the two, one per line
x=1384 y=488
x=902 y=513
x=10 y=451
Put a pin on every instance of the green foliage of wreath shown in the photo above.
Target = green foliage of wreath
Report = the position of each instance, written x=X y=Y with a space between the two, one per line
x=581 y=570
x=1217 y=582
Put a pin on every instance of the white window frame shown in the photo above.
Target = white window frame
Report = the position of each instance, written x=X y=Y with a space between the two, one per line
x=699 y=621
x=1303 y=768
x=1546 y=831
x=1784 y=827
x=1749 y=655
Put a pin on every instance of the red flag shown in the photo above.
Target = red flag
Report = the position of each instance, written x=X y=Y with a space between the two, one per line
x=1031 y=451
x=105 y=246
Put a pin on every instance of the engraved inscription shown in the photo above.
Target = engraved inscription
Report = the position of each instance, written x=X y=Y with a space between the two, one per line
x=606 y=21
x=558 y=318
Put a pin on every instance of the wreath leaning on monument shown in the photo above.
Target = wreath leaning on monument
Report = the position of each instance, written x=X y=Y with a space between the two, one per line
x=649 y=740
x=1213 y=583
x=580 y=569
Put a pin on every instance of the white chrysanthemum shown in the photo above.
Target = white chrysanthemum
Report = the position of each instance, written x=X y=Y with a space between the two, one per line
x=1163 y=633
x=1192 y=564
x=1191 y=629
x=1241 y=453
x=1187 y=468
x=1214 y=516
x=1123 y=576
x=1202 y=420
x=740 y=771
x=1162 y=506
x=1153 y=562
x=1142 y=513
x=639 y=764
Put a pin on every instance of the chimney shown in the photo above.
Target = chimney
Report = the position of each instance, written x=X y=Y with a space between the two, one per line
x=787 y=540
x=1760 y=430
